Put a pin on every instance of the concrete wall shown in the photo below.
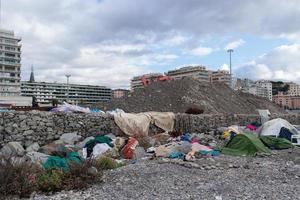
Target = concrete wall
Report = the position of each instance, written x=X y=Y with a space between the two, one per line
x=44 y=127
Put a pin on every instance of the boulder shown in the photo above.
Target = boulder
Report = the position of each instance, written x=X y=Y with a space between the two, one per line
x=12 y=149
x=70 y=138
x=33 y=147
x=37 y=157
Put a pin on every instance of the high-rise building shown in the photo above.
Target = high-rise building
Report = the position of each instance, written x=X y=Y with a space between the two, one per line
x=267 y=86
x=119 y=93
x=10 y=64
x=197 y=72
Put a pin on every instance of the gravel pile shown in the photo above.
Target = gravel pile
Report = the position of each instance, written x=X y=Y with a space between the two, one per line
x=222 y=177
x=179 y=95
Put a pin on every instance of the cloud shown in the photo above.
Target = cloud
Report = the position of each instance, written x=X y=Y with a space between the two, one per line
x=201 y=51
x=282 y=63
x=224 y=67
x=128 y=36
x=235 y=44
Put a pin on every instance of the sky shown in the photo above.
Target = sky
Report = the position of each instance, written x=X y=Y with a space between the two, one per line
x=107 y=42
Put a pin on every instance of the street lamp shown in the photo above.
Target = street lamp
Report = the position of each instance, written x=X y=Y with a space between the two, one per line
x=230 y=66
x=68 y=76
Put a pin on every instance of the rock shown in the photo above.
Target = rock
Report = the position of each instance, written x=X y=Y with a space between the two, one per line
x=82 y=144
x=33 y=147
x=70 y=138
x=92 y=171
x=37 y=157
x=12 y=149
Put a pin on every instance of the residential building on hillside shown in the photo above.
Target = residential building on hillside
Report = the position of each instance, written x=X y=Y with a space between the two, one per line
x=220 y=76
x=294 y=89
x=119 y=93
x=136 y=82
x=287 y=101
x=45 y=92
x=267 y=86
x=197 y=72
x=10 y=64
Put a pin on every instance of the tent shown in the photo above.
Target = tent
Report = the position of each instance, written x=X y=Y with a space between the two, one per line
x=245 y=145
x=279 y=128
x=276 y=143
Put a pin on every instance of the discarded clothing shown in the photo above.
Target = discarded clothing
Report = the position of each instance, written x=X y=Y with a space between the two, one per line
x=98 y=140
x=98 y=149
x=56 y=162
x=166 y=150
x=276 y=143
x=138 y=124
x=209 y=153
x=174 y=155
x=70 y=108
x=196 y=147
x=251 y=127
x=186 y=137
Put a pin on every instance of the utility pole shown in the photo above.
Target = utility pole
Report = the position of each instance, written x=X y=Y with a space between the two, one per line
x=230 y=51
x=68 y=76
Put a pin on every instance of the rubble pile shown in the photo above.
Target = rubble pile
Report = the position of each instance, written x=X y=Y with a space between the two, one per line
x=180 y=95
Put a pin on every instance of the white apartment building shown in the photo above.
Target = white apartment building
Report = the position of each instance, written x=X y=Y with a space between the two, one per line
x=10 y=64
x=197 y=72
x=267 y=86
x=294 y=89
x=45 y=93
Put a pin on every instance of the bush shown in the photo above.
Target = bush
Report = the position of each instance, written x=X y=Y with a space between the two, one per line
x=23 y=178
x=18 y=178
x=104 y=163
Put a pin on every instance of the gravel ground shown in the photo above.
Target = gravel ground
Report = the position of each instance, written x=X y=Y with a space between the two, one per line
x=223 y=177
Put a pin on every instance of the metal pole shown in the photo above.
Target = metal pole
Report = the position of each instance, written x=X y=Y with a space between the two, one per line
x=68 y=76
x=230 y=65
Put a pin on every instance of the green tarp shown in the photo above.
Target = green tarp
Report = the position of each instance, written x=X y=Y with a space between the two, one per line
x=56 y=162
x=276 y=143
x=245 y=145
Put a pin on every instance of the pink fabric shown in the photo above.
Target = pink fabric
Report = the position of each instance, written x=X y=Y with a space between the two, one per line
x=251 y=127
x=199 y=147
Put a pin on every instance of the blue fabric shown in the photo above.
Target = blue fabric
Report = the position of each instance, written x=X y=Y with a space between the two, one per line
x=285 y=133
x=174 y=155
x=186 y=137
x=210 y=153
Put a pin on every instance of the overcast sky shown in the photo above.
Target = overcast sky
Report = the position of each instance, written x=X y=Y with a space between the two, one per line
x=108 y=42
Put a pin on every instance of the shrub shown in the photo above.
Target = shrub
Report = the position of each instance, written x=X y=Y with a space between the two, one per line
x=50 y=180
x=18 y=178
x=104 y=163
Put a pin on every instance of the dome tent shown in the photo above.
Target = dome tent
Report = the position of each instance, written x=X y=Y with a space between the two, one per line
x=245 y=145
x=278 y=128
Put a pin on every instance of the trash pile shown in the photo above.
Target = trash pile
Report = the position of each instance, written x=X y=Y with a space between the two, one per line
x=251 y=140
x=179 y=96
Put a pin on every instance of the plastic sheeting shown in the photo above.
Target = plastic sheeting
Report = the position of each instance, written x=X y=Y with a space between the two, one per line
x=70 y=108
x=273 y=128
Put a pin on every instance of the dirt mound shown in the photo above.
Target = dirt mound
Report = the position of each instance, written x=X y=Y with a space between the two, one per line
x=180 y=95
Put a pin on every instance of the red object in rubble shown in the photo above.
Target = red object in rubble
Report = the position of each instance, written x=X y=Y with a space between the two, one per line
x=128 y=150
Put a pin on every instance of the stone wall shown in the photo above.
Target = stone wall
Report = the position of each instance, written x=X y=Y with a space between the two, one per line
x=44 y=127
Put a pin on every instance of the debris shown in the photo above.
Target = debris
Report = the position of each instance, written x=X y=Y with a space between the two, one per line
x=128 y=150
x=33 y=147
x=70 y=138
